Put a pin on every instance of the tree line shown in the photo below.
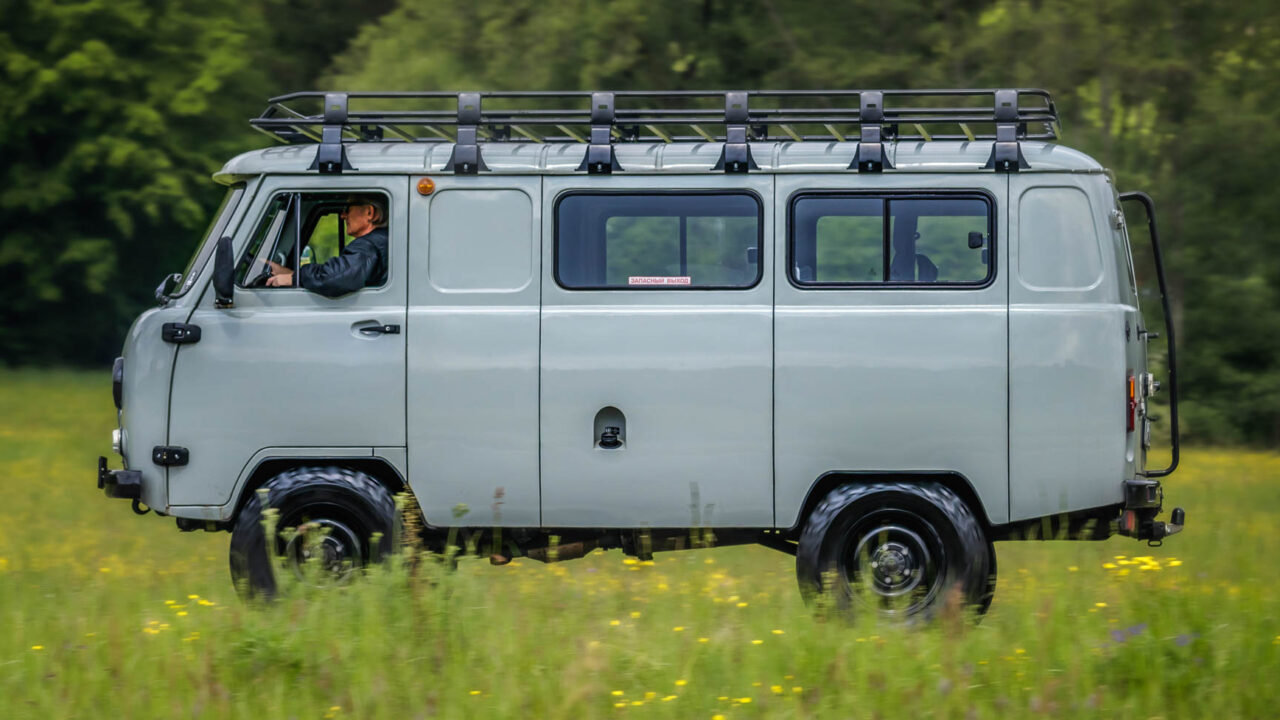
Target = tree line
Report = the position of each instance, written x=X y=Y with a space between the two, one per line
x=116 y=113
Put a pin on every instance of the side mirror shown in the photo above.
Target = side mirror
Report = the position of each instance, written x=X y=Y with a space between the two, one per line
x=976 y=239
x=224 y=271
x=166 y=286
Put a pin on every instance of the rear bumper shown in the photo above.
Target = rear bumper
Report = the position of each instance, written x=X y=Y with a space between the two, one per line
x=119 y=483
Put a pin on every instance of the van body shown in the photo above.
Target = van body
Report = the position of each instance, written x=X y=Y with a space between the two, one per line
x=663 y=346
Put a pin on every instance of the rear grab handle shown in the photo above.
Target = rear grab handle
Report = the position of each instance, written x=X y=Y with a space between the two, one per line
x=1150 y=209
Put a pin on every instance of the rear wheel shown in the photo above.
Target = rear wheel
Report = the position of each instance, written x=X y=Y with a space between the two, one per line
x=900 y=550
x=324 y=530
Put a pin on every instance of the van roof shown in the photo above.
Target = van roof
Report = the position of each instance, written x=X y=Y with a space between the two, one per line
x=656 y=158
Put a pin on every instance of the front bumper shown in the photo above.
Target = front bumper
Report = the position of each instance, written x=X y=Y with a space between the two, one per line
x=119 y=483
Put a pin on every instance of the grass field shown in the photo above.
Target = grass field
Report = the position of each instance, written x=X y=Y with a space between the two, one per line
x=104 y=614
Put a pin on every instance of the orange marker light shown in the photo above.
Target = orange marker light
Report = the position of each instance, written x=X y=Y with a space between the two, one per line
x=426 y=186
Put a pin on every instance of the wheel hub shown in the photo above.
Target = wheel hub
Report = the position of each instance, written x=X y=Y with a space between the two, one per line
x=330 y=544
x=893 y=563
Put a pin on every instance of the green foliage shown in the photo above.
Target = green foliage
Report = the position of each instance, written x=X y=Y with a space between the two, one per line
x=115 y=114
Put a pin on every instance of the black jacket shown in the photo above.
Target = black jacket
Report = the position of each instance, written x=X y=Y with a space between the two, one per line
x=362 y=263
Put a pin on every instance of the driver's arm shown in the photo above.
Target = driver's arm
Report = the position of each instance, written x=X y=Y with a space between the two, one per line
x=347 y=272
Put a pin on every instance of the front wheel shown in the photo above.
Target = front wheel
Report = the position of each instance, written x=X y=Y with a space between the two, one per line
x=897 y=549
x=324 y=531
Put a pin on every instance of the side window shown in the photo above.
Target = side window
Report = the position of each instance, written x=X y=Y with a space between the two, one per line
x=658 y=240
x=900 y=239
x=299 y=229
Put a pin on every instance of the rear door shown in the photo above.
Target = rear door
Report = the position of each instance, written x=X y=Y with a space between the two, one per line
x=657 y=320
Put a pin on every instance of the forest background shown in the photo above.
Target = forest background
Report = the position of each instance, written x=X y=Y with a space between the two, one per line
x=114 y=113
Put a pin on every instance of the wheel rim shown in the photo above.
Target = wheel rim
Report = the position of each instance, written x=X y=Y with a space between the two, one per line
x=329 y=544
x=893 y=562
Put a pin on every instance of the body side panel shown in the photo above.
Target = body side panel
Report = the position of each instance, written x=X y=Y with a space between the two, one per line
x=473 y=350
x=1067 y=350
x=690 y=371
x=873 y=379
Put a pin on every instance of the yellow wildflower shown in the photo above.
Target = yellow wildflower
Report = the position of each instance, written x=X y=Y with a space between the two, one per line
x=681 y=682
x=617 y=693
x=475 y=692
x=757 y=642
x=678 y=628
x=702 y=640
x=777 y=689
x=37 y=647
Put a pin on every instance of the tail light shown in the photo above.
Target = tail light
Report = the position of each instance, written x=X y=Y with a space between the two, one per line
x=1132 y=414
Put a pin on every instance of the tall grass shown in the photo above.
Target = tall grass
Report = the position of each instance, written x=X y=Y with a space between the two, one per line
x=104 y=614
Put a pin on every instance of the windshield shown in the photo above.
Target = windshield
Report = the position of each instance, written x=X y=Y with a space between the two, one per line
x=215 y=230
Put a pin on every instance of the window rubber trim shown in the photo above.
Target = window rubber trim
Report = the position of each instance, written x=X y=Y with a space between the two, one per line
x=555 y=243
x=975 y=194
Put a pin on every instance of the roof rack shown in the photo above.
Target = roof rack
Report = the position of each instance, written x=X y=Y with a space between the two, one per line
x=598 y=120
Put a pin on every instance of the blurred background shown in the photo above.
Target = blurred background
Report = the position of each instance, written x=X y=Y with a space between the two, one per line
x=116 y=112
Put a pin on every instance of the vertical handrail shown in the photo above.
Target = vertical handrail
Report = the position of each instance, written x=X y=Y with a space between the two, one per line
x=1150 y=208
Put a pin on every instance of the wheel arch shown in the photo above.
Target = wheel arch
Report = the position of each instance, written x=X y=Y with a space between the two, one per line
x=376 y=467
x=954 y=481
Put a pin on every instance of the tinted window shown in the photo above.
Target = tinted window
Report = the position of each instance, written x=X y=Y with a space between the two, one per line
x=651 y=241
x=861 y=239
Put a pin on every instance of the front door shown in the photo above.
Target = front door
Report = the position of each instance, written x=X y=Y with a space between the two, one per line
x=657 y=353
x=287 y=369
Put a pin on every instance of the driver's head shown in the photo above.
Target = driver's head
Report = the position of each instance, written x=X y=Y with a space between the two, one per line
x=363 y=213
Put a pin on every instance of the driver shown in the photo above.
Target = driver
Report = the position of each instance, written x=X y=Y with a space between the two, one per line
x=363 y=262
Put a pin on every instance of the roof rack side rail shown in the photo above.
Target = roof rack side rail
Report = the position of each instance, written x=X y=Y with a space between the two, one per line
x=465 y=158
x=331 y=156
x=600 y=159
x=736 y=155
x=870 y=155
x=1006 y=151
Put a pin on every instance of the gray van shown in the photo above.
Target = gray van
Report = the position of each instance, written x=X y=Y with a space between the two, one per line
x=877 y=330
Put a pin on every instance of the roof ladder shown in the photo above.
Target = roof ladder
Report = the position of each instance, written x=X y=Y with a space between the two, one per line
x=600 y=158
x=870 y=156
x=736 y=155
x=331 y=156
x=465 y=159
x=1006 y=152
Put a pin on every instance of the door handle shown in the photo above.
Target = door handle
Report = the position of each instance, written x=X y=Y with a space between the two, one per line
x=380 y=330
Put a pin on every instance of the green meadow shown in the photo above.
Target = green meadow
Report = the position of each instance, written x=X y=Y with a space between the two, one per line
x=106 y=614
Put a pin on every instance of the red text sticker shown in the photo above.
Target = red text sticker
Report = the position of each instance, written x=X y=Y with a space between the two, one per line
x=658 y=280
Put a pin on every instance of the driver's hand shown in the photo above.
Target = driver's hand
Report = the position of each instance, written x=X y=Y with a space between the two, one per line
x=280 y=279
x=277 y=268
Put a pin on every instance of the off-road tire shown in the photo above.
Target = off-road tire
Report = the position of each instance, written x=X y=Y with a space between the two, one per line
x=312 y=493
x=945 y=526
